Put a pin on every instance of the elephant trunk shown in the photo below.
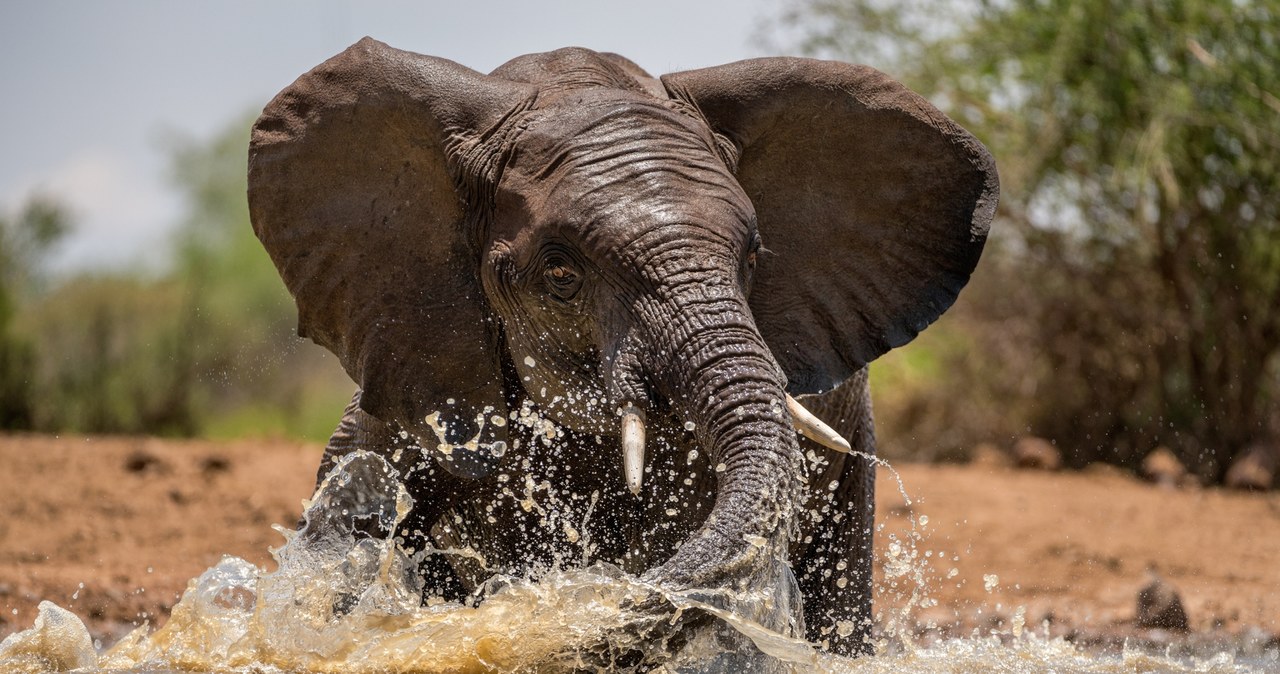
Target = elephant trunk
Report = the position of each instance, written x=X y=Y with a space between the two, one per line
x=715 y=367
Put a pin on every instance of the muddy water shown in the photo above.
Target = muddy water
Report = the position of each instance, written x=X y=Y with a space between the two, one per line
x=338 y=602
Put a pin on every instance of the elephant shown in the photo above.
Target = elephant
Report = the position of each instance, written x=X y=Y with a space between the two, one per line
x=570 y=282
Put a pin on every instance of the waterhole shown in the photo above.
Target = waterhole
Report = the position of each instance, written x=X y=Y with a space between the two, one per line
x=337 y=601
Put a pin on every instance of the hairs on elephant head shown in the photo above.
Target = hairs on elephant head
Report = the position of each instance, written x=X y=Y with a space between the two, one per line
x=565 y=264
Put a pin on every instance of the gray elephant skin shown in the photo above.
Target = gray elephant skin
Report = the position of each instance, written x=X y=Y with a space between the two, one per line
x=513 y=267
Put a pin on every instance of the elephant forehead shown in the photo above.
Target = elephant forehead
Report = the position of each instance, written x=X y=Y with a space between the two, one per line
x=623 y=160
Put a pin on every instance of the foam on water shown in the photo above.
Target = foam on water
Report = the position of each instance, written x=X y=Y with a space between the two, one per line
x=526 y=627
x=343 y=602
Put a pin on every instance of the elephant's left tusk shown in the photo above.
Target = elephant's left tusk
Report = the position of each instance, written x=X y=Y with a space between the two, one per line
x=813 y=428
x=633 y=447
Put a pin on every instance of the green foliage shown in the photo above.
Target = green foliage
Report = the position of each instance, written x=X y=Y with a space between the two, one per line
x=1139 y=236
x=24 y=239
x=205 y=348
x=252 y=375
x=112 y=358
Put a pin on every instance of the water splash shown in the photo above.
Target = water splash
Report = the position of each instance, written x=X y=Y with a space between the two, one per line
x=526 y=627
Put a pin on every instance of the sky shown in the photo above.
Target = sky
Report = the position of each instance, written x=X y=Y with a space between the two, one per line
x=89 y=91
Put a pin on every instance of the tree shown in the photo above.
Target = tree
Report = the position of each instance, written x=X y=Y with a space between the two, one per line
x=245 y=367
x=205 y=347
x=1139 y=148
x=24 y=240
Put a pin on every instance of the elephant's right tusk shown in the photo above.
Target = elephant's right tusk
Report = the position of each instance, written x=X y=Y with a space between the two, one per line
x=813 y=428
x=633 y=447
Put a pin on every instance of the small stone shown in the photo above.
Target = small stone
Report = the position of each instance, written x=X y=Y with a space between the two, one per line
x=141 y=461
x=1163 y=468
x=1160 y=606
x=213 y=464
x=1254 y=469
x=1037 y=454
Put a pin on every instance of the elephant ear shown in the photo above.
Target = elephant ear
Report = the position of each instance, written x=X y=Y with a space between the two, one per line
x=873 y=206
x=352 y=190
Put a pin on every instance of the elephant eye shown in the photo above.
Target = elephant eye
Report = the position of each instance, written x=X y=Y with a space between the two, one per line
x=562 y=280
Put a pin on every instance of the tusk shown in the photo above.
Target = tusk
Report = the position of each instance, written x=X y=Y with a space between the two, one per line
x=633 y=447
x=813 y=428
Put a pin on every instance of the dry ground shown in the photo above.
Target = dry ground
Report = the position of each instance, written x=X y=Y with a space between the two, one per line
x=113 y=528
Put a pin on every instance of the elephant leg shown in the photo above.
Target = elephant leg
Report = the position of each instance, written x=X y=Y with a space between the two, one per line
x=433 y=489
x=834 y=568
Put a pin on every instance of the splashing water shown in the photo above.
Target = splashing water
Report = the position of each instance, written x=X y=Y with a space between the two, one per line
x=343 y=601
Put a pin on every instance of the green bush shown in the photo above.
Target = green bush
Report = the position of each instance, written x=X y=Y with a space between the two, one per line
x=204 y=348
x=1131 y=297
x=24 y=239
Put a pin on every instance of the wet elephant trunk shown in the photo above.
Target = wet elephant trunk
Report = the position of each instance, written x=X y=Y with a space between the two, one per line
x=719 y=373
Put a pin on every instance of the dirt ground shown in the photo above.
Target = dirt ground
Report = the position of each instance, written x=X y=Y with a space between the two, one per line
x=113 y=528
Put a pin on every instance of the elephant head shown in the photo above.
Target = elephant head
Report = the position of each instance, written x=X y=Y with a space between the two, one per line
x=570 y=234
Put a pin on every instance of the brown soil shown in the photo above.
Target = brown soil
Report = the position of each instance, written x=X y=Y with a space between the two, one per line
x=113 y=528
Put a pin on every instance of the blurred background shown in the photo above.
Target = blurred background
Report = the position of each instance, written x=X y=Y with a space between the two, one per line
x=1128 y=301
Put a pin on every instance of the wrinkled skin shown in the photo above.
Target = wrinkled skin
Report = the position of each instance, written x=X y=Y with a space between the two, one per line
x=568 y=237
